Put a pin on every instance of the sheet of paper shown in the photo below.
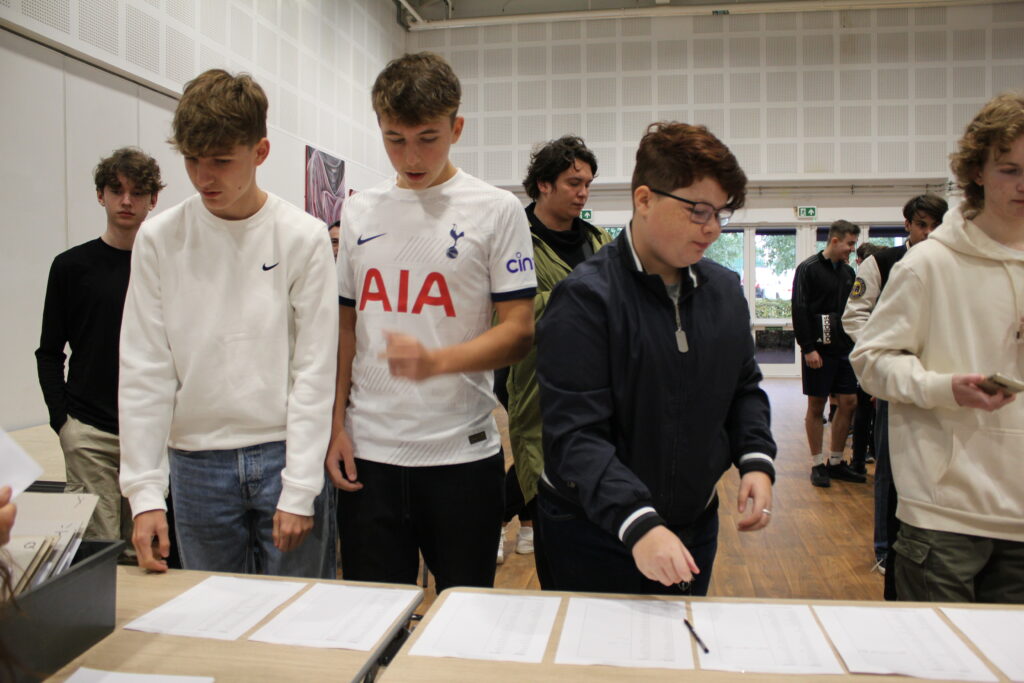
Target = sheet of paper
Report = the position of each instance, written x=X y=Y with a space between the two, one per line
x=762 y=638
x=221 y=607
x=85 y=675
x=19 y=469
x=492 y=626
x=997 y=633
x=913 y=641
x=327 y=615
x=633 y=633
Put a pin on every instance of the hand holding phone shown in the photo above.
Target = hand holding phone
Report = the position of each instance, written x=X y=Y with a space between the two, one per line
x=996 y=383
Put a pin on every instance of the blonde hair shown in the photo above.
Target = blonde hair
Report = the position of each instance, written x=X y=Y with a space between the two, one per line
x=996 y=126
x=218 y=111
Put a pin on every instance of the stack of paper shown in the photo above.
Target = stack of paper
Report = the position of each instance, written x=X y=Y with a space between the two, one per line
x=492 y=626
x=629 y=633
x=47 y=533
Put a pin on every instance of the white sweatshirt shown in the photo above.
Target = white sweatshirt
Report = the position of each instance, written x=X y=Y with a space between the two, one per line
x=229 y=339
x=952 y=305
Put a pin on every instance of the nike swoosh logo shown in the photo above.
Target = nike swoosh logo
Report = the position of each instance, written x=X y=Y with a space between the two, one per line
x=266 y=267
x=364 y=240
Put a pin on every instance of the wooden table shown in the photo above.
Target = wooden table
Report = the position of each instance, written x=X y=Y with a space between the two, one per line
x=409 y=668
x=234 y=660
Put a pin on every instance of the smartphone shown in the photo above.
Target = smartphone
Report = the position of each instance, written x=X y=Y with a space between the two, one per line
x=995 y=383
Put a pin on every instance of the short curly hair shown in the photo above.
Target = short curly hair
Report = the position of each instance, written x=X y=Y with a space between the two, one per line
x=550 y=160
x=999 y=123
x=133 y=164
x=416 y=88
x=674 y=155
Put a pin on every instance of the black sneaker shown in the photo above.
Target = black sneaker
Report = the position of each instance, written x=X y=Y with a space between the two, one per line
x=858 y=467
x=819 y=476
x=844 y=472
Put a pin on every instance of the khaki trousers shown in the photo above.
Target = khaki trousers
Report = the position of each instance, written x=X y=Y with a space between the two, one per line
x=92 y=461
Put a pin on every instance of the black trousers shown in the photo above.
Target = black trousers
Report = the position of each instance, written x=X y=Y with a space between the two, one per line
x=450 y=513
x=863 y=427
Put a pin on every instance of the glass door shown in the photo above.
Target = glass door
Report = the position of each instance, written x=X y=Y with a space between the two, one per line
x=774 y=264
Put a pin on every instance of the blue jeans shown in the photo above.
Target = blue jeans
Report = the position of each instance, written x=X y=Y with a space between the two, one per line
x=224 y=505
x=581 y=556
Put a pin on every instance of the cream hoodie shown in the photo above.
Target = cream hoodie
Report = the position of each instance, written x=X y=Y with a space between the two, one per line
x=952 y=305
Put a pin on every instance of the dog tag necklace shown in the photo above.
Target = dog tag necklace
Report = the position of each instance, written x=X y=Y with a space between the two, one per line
x=681 y=343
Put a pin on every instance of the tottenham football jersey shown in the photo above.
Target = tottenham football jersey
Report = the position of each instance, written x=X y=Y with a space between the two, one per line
x=428 y=263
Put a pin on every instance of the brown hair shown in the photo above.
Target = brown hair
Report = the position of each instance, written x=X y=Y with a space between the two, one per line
x=841 y=228
x=674 y=155
x=868 y=249
x=218 y=111
x=416 y=88
x=133 y=164
x=996 y=126
x=931 y=205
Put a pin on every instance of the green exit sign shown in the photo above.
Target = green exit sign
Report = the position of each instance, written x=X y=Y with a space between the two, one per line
x=586 y=214
x=809 y=212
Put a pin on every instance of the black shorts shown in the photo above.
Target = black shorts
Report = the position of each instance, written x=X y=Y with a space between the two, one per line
x=835 y=376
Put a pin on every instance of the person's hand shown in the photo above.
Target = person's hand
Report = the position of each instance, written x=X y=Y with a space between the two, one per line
x=408 y=358
x=151 y=541
x=756 y=487
x=8 y=511
x=813 y=360
x=341 y=462
x=968 y=394
x=290 y=530
x=662 y=557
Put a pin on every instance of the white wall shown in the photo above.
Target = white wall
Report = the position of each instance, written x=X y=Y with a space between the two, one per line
x=61 y=115
x=814 y=95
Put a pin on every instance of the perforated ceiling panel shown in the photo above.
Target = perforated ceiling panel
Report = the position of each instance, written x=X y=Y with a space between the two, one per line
x=98 y=23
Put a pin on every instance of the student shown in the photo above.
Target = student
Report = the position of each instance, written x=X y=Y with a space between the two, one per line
x=821 y=286
x=649 y=386
x=335 y=231
x=953 y=313
x=228 y=355
x=864 y=413
x=558 y=181
x=425 y=257
x=921 y=215
x=84 y=301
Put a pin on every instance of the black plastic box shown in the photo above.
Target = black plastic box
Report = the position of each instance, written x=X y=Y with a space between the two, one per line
x=65 y=616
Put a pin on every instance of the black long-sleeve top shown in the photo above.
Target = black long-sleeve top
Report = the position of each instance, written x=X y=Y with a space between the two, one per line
x=84 y=300
x=637 y=433
x=821 y=287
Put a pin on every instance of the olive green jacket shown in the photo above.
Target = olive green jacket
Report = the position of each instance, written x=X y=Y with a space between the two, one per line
x=524 y=419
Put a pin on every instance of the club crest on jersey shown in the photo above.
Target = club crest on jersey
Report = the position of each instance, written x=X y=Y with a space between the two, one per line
x=433 y=291
x=519 y=263
x=858 y=288
x=452 y=251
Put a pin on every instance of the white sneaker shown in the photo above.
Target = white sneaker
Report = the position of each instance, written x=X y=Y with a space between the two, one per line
x=501 y=547
x=524 y=540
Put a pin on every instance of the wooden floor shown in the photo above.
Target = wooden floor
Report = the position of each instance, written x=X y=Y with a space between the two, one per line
x=818 y=545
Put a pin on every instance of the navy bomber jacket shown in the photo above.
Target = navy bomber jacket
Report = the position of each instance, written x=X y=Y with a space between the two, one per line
x=637 y=433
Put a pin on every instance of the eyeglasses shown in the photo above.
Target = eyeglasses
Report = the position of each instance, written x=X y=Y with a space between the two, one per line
x=701 y=212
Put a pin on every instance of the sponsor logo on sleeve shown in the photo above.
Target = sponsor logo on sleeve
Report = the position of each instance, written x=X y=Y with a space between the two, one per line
x=519 y=263
x=859 y=288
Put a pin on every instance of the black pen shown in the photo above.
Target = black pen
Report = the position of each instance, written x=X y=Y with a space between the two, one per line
x=695 y=636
